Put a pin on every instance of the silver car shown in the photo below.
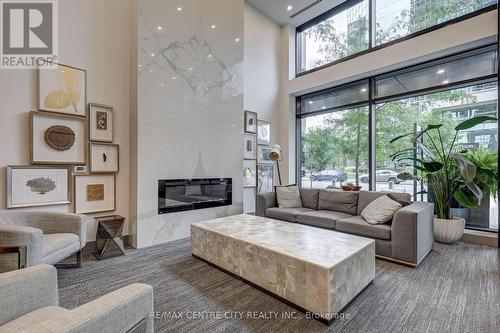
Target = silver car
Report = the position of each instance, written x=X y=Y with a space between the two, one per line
x=382 y=175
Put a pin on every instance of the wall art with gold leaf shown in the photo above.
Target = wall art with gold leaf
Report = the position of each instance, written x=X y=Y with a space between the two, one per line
x=95 y=193
x=62 y=89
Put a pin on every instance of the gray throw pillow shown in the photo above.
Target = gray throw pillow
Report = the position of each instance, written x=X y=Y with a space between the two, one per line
x=288 y=197
x=380 y=210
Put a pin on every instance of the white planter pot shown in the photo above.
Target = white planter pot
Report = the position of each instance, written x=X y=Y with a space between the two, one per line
x=448 y=231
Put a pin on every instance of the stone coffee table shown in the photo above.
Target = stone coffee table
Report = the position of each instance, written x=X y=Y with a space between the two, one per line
x=316 y=270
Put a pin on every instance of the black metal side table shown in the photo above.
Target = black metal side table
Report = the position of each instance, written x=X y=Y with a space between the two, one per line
x=109 y=235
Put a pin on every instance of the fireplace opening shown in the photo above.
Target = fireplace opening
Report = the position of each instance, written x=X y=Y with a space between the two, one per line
x=177 y=195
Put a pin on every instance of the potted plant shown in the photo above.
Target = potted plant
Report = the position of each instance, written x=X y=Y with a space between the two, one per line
x=450 y=175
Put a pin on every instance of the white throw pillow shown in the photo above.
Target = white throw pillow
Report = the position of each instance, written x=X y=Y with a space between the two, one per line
x=380 y=210
x=288 y=197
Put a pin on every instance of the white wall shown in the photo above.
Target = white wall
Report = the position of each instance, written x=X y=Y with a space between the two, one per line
x=261 y=76
x=93 y=35
x=467 y=34
x=190 y=126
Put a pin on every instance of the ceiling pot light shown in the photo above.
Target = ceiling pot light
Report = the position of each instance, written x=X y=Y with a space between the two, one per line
x=289 y=7
x=441 y=71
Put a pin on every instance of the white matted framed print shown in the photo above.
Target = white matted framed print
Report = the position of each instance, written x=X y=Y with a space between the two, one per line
x=249 y=173
x=101 y=121
x=62 y=89
x=57 y=139
x=263 y=154
x=250 y=148
x=31 y=186
x=104 y=158
x=265 y=178
x=250 y=122
x=264 y=132
x=95 y=193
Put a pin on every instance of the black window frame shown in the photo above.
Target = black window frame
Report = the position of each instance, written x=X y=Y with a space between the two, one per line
x=371 y=42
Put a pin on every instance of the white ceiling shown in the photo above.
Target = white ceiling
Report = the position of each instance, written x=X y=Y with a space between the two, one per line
x=277 y=11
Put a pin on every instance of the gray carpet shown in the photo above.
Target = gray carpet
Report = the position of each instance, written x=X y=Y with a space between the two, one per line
x=455 y=289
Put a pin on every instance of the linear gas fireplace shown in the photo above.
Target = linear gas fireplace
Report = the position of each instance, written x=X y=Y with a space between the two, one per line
x=177 y=195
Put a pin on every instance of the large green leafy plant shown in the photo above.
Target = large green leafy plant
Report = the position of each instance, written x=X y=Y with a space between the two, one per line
x=450 y=174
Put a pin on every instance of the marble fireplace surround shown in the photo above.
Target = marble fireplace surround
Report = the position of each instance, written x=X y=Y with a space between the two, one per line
x=317 y=271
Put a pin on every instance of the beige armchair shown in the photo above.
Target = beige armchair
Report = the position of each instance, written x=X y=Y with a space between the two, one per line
x=30 y=303
x=29 y=238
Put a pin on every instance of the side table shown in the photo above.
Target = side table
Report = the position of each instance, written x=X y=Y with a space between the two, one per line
x=109 y=235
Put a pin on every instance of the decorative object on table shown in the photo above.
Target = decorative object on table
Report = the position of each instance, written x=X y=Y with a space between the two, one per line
x=30 y=186
x=62 y=89
x=263 y=154
x=350 y=187
x=450 y=175
x=57 y=139
x=95 y=193
x=265 y=173
x=250 y=147
x=104 y=158
x=101 y=122
x=249 y=173
x=264 y=133
x=275 y=154
x=250 y=122
x=109 y=235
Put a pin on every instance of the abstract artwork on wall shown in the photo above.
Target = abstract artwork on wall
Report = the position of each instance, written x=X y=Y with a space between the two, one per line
x=101 y=122
x=263 y=154
x=104 y=158
x=95 y=193
x=264 y=132
x=30 y=186
x=265 y=178
x=57 y=139
x=62 y=89
x=249 y=173
x=250 y=122
x=250 y=149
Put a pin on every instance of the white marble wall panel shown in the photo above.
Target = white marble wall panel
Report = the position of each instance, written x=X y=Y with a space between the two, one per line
x=190 y=106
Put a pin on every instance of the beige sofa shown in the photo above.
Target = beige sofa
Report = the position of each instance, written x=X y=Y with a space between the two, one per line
x=407 y=238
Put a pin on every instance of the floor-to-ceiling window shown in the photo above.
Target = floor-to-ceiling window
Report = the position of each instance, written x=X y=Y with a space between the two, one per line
x=335 y=136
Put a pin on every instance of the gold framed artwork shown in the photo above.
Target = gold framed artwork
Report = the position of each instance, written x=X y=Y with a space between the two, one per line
x=34 y=186
x=95 y=193
x=57 y=139
x=62 y=89
x=101 y=122
x=104 y=158
x=250 y=122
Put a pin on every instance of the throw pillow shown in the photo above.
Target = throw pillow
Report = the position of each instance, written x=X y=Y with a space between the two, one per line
x=288 y=197
x=380 y=210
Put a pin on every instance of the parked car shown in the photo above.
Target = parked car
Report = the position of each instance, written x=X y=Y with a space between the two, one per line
x=382 y=176
x=330 y=175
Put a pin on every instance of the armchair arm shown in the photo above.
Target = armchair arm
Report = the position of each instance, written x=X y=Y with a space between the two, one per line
x=118 y=311
x=17 y=235
x=53 y=223
x=412 y=232
x=26 y=290
x=265 y=201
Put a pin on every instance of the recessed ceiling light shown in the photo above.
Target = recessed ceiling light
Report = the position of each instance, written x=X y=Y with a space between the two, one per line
x=179 y=9
x=190 y=68
x=210 y=56
x=289 y=7
x=152 y=54
x=323 y=107
x=159 y=28
x=174 y=78
x=310 y=102
x=446 y=81
x=237 y=39
x=140 y=65
x=441 y=71
x=162 y=84
x=363 y=90
x=213 y=26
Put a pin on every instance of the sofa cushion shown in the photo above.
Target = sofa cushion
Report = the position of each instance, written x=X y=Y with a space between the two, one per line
x=309 y=197
x=380 y=210
x=286 y=214
x=356 y=225
x=321 y=218
x=365 y=197
x=345 y=202
x=288 y=196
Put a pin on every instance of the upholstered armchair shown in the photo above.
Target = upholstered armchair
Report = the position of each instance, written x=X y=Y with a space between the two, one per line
x=30 y=303
x=29 y=238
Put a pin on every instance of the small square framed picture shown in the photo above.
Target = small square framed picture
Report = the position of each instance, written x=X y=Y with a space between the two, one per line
x=263 y=154
x=104 y=158
x=250 y=149
x=101 y=120
x=250 y=122
x=95 y=193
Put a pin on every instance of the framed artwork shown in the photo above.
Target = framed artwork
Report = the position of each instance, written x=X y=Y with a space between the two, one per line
x=62 y=89
x=249 y=173
x=250 y=149
x=57 y=139
x=265 y=173
x=250 y=122
x=95 y=193
x=264 y=132
x=101 y=122
x=263 y=154
x=30 y=186
x=104 y=158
